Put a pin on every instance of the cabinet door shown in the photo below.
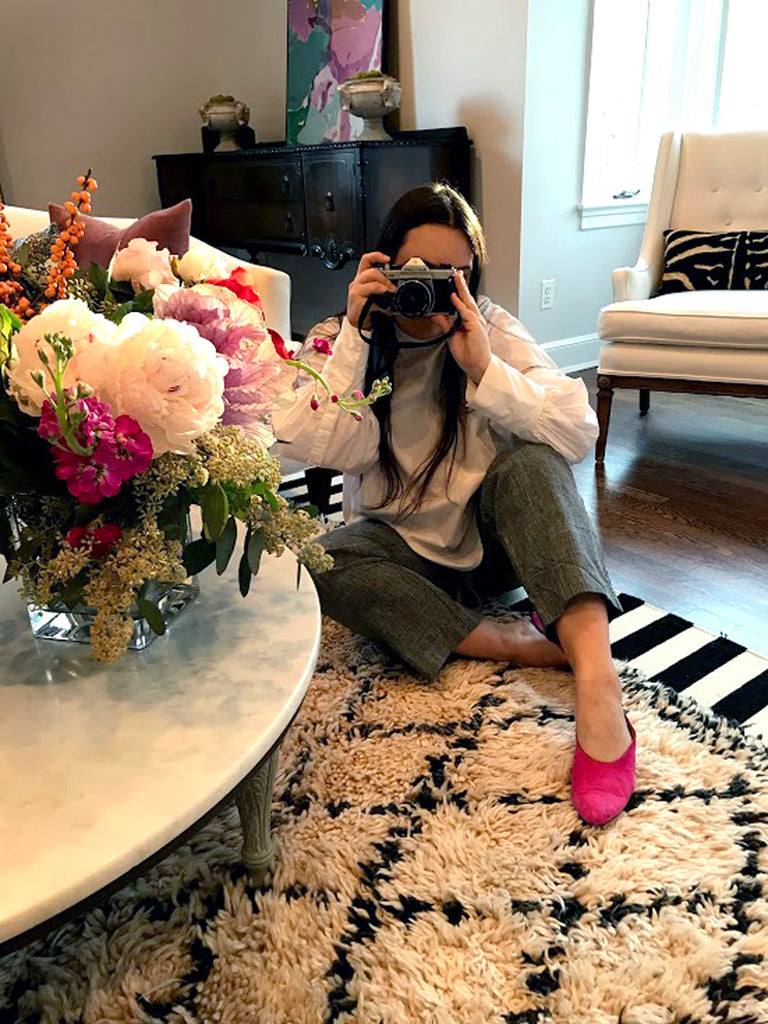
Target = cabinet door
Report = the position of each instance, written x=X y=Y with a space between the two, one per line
x=178 y=178
x=250 y=201
x=333 y=205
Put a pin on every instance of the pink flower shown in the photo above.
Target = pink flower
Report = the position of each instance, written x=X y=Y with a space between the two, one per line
x=86 y=480
x=322 y=345
x=48 y=427
x=127 y=450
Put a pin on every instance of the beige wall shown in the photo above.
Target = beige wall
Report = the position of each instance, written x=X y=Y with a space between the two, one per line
x=464 y=64
x=110 y=84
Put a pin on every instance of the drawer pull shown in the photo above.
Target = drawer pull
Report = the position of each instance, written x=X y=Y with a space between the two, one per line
x=285 y=185
x=329 y=204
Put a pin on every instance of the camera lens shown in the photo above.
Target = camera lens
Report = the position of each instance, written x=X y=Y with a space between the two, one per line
x=414 y=298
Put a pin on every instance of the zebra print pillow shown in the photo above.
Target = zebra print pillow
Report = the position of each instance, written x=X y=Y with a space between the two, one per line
x=701 y=260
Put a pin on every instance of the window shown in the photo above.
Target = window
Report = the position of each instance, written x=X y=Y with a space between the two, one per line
x=657 y=65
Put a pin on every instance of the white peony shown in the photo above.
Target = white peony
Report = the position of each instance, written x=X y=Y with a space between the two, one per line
x=168 y=378
x=91 y=333
x=198 y=265
x=143 y=264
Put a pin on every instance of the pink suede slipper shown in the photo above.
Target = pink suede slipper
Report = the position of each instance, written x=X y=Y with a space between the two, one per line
x=601 y=789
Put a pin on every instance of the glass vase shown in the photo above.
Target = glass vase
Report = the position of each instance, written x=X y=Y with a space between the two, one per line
x=56 y=621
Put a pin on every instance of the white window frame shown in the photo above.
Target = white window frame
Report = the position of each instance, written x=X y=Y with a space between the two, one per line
x=691 y=96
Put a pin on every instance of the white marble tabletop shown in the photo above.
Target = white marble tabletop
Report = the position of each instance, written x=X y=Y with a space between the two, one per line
x=101 y=766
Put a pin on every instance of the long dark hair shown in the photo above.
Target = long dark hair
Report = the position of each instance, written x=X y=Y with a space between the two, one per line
x=436 y=203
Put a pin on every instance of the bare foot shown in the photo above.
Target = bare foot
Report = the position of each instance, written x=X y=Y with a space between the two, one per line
x=518 y=641
x=600 y=724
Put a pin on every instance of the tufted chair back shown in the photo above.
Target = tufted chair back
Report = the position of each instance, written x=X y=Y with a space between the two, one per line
x=722 y=182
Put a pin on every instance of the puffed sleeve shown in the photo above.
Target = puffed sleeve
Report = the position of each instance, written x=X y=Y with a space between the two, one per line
x=524 y=395
x=328 y=436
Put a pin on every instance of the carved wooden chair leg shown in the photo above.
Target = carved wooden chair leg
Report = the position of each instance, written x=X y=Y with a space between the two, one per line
x=604 y=399
x=645 y=400
x=254 y=800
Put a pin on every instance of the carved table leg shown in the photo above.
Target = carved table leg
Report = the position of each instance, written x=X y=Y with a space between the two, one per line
x=253 y=800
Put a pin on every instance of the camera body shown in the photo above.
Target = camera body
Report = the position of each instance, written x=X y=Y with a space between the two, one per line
x=421 y=290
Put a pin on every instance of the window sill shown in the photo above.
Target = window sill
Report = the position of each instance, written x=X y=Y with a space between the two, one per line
x=612 y=215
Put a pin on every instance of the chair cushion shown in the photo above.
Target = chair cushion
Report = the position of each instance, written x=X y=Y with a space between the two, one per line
x=736 y=366
x=703 y=260
x=169 y=228
x=717 y=319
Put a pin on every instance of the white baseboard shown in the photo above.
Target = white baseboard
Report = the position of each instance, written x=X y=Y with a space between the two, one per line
x=577 y=353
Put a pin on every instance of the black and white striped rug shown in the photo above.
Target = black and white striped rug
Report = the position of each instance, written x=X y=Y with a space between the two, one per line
x=715 y=671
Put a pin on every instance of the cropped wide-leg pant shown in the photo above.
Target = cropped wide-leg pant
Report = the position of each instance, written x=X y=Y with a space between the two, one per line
x=536 y=533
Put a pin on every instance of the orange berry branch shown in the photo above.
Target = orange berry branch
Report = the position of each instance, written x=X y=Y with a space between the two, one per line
x=11 y=290
x=63 y=263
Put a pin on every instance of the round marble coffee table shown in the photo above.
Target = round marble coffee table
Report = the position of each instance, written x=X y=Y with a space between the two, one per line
x=104 y=767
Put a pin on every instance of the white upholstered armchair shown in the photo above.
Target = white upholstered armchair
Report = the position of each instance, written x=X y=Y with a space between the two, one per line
x=274 y=286
x=712 y=341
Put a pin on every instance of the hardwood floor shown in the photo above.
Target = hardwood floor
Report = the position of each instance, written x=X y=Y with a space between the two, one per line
x=682 y=508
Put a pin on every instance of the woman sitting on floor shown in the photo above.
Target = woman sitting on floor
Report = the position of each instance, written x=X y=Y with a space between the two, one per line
x=461 y=487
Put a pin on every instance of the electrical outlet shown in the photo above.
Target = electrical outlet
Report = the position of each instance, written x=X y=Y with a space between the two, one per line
x=548 y=293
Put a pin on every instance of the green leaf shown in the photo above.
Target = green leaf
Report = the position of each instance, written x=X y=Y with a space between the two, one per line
x=98 y=277
x=198 y=554
x=153 y=615
x=271 y=500
x=9 y=322
x=117 y=315
x=143 y=301
x=225 y=545
x=244 y=575
x=215 y=508
x=253 y=550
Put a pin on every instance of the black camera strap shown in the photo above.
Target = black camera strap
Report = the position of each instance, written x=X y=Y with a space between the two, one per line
x=371 y=301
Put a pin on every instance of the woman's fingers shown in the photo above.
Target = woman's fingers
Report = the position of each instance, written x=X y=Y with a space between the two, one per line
x=368 y=260
x=465 y=294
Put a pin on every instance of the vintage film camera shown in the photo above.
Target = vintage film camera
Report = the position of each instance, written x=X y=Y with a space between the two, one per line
x=421 y=290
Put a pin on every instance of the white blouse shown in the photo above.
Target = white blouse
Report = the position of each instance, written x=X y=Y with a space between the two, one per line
x=522 y=395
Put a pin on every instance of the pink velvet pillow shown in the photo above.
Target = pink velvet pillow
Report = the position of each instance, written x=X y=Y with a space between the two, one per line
x=169 y=228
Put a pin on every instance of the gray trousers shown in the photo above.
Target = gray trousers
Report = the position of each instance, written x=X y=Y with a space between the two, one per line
x=536 y=533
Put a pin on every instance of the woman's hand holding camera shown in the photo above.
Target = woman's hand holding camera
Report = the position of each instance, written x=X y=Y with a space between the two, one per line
x=368 y=281
x=469 y=345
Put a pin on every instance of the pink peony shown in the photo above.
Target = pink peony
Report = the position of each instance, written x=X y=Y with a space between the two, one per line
x=167 y=377
x=143 y=264
x=90 y=332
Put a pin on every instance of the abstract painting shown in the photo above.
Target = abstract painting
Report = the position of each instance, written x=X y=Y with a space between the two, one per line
x=329 y=41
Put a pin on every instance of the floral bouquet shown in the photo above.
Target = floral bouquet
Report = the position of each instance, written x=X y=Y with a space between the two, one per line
x=130 y=394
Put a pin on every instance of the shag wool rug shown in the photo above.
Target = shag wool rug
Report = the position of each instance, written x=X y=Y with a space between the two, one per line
x=430 y=868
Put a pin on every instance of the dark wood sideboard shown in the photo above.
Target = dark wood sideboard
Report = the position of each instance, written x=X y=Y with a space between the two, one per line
x=326 y=201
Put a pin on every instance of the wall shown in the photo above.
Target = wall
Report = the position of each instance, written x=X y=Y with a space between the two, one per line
x=552 y=243
x=513 y=71
x=464 y=64
x=109 y=84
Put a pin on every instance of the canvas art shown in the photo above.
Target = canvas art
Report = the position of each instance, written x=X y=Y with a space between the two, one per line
x=329 y=41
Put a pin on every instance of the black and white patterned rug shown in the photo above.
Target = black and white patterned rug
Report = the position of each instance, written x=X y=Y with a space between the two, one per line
x=430 y=867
